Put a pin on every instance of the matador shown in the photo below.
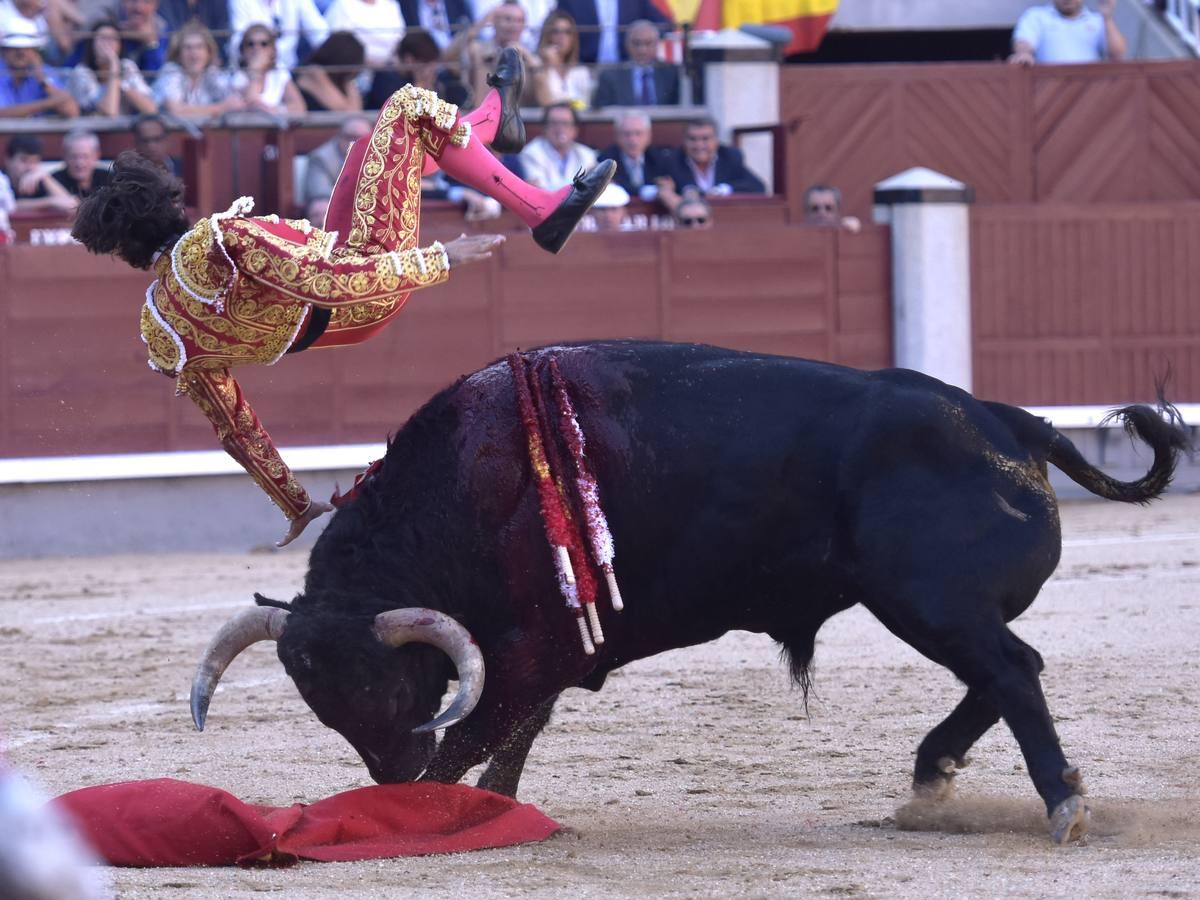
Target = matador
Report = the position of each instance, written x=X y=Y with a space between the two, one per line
x=236 y=289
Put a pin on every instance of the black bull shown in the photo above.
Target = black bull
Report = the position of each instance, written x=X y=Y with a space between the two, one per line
x=744 y=492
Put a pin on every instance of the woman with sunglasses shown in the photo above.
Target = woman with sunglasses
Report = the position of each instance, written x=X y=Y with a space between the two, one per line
x=236 y=289
x=104 y=83
x=561 y=79
x=261 y=82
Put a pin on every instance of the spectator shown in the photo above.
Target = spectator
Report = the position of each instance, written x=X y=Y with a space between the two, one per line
x=35 y=190
x=45 y=19
x=823 y=206
x=291 y=19
x=265 y=86
x=602 y=20
x=325 y=161
x=327 y=78
x=26 y=89
x=376 y=24
x=191 y=83
x=552 y=160
x=692 y=212
x=212 y=14
x=81 y=174
x=639 y=164
x=104 y=84
x=479 y=57
x=150 y=140
x=417 y=55
x=146 y=37
x=715 y=170
x=440 y=18
x=643 y=81
x=1066 y=32
x=608 y=212
x=559 y=78
x=533 y=11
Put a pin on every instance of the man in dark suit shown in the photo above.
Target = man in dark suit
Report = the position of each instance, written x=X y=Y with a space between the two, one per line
x=712 y=169
x=440 y=18
x=643 y=81
x=600 y=22
x=639 y=165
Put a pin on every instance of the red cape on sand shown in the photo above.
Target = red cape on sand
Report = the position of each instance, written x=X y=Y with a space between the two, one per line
x=165 y=822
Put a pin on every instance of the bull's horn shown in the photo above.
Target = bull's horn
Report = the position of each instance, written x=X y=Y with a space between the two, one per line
x=428 y=626
x=246 y=628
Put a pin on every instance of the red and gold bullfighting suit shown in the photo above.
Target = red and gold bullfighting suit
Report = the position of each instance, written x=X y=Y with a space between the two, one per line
x=237 y=289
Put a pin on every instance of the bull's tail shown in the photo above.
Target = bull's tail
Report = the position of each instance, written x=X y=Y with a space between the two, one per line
x=1162 y=429
x=1163 y=432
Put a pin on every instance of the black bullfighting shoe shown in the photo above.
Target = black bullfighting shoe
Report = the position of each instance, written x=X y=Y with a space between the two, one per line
x=553 y=233
x=509 y=82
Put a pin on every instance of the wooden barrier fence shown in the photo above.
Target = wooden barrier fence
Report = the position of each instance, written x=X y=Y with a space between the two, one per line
x=73 y=374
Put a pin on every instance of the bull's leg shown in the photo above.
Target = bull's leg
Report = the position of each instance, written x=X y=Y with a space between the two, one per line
x=503 y=773
x=474 y=740
x=1002 y=668
x=945 y=748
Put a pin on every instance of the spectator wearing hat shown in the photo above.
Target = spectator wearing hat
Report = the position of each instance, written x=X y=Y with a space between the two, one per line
x=42 y=18
x=608 y=212
x=34 y=189
x=26 y=89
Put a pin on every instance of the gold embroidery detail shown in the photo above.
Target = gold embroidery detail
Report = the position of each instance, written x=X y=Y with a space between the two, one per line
x=160 y=346
x=202 y=273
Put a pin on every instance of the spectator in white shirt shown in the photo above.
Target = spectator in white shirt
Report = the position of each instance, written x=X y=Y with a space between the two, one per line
x=288 y=18
x=1066 y=32
x=552 y=160
x=377 y=24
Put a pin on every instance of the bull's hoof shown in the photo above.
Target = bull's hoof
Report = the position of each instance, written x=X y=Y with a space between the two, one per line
x=941 y=787
x=1069 y=821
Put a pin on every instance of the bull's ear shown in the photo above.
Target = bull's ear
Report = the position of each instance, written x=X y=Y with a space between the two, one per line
x=267 y=601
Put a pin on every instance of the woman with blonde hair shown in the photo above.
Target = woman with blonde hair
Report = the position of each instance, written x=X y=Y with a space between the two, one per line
x=561 y=79
x=263 y=84
x=191 y=83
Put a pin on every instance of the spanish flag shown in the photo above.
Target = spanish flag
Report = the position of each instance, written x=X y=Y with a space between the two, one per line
x=806 y=19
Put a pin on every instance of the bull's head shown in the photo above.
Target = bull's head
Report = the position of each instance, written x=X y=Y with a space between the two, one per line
x=352 y=676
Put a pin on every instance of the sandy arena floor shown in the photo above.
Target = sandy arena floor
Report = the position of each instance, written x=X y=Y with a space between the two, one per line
x=695 y=773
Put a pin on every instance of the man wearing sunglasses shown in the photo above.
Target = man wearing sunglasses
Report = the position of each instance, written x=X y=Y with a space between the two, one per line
x=823 y=206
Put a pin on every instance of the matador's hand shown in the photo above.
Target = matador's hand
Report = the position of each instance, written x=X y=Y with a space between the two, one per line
x=475 y=248
x=315 y=510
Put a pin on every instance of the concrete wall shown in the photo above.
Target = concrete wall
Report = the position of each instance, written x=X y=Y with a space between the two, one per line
x=228 y=513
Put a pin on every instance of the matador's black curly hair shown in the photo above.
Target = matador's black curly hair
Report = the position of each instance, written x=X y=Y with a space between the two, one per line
x=139 y=212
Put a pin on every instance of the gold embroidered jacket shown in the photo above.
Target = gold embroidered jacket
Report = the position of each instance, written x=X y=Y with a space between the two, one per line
x=235 y=290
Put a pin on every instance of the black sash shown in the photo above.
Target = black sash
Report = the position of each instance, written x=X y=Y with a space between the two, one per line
x=318 y=319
